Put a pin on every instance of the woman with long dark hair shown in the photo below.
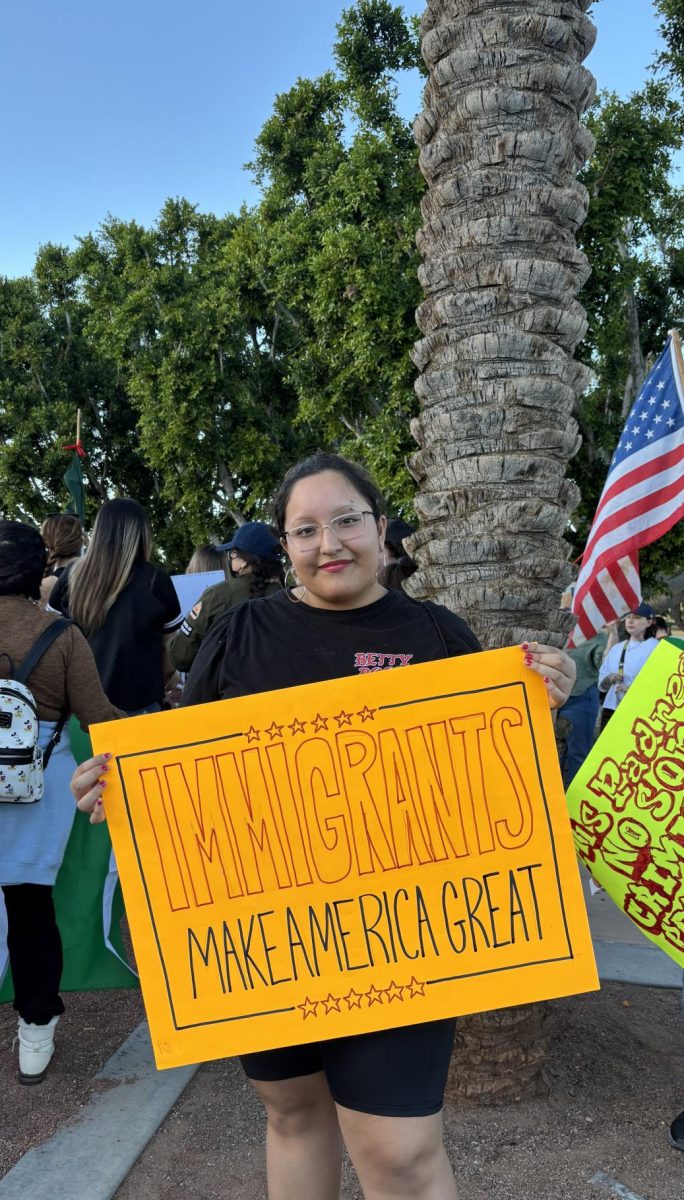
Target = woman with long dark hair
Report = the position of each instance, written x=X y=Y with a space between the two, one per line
x=380 y=1093
x=126 y=607
x=33 y=837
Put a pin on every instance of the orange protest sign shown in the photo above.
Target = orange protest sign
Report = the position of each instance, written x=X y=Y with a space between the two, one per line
x=347 y=856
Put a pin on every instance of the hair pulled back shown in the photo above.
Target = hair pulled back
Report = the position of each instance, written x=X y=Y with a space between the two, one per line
x=63 y=537
x=207 y=558
x=22 y=560
x=121 y=538
x=356 y=475
x=263 y=571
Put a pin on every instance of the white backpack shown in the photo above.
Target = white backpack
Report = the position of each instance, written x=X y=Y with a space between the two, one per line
x=22 y=762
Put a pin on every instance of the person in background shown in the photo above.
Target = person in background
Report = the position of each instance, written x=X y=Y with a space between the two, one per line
x=380 y=1093
x=62 y=534
x=256 y=570
x=33 y=837
x=581 y=709
x=661 y=628
x=624 y=659
x=207 y=558
x=127 y=609
x=398 y=566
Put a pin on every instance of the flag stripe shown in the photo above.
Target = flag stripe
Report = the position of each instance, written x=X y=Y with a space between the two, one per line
x=642 y=499
x=632 y=513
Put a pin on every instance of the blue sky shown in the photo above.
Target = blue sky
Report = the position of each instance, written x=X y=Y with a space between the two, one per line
x=112 y=107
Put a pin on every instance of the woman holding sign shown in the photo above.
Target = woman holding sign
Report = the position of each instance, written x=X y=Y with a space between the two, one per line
x=381 y=1093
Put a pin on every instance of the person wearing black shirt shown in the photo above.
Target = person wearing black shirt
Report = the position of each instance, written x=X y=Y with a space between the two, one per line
x=381 y=1093
x=126 y=607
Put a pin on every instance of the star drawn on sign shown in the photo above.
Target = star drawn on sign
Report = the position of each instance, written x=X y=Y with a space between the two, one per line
x=320 y=722
x=253 y=735
x=297 y=726
x=308 y=1007
x=332 y=1003
x=414 y=988
x=375 y=996
x=353 y=999
x=274 y=731
x=367 y=714
x=394 y=992
x=343 y=718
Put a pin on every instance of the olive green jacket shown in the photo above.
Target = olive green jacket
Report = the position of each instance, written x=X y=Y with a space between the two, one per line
x=212 y=604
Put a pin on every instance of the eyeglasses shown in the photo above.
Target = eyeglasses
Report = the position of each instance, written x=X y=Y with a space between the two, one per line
x=346 y=527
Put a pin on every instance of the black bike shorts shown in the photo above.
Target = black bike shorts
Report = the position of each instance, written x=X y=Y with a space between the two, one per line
x=391 y=1073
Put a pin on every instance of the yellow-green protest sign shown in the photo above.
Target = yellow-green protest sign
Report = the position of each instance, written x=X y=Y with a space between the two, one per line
x=627 y=803
x=344 y=857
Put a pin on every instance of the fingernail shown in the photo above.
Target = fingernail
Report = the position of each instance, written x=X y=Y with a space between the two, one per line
x=528 y=660
x=99 y=800
x=102 y=782
x=108 y=755
x=525 y=645
x=546 y=679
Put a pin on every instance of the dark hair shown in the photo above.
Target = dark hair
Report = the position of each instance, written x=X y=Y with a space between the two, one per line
x=63 y=537
x=22 y=560
x=263 y=571
x=394 y=573
x=661 y=623
x=322 y=461
x=207 y=558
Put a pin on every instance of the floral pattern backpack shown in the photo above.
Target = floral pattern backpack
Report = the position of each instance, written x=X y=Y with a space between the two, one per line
x=22 y=762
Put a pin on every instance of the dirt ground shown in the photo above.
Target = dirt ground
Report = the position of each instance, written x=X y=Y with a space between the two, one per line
x=93 y=1027
x=615 y=1080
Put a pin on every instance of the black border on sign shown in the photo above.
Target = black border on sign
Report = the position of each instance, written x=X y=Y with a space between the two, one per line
x=430 y=982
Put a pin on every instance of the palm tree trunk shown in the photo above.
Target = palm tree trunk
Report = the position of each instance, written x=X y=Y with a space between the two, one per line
x=500 y=145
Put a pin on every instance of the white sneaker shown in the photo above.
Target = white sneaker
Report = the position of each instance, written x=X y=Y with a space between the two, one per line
x=36 y=1047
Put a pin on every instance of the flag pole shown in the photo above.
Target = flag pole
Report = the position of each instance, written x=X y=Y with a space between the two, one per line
x=677 y=343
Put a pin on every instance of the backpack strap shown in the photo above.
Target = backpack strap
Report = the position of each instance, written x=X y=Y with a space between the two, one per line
x=43 y=643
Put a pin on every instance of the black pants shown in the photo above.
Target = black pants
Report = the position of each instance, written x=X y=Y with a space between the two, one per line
x=35 y=951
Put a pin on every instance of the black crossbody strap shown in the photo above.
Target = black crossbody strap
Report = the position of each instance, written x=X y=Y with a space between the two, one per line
x=43 y=643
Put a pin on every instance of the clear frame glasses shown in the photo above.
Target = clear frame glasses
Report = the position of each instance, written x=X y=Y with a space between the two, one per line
x=346 y=527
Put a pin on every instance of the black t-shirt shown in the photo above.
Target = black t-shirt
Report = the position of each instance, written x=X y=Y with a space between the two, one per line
x=128 y=646
x=275 y=642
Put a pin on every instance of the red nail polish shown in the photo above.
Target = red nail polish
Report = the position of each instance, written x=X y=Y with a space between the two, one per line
x=102 y=782
x=525 y=646
x=546 y=679
x=528 y=660
x=108 y=755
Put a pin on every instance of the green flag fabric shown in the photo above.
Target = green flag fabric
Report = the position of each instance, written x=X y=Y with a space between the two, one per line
x=88 y=904
x=73 y=478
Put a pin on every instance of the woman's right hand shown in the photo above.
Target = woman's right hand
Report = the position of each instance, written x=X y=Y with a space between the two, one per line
x=87 y=785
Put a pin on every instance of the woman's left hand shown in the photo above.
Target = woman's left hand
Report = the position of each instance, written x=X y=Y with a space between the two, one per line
x=556 y=668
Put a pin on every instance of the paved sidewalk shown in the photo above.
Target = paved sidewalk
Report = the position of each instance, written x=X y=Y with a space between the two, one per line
x=623 y=953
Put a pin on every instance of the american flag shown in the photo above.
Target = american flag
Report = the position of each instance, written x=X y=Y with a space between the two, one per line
x=642 y=498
